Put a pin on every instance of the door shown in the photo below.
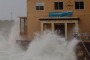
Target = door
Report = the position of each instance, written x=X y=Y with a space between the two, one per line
x=60 y=29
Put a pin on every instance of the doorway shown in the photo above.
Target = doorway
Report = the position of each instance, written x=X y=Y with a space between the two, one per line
x=60 y=29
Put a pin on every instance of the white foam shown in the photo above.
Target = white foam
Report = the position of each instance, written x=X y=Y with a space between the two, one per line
x=50 y=46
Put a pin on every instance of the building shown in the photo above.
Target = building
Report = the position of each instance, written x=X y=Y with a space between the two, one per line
x=68 y=16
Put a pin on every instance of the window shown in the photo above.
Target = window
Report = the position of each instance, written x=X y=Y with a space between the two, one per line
x=58 y=5
x=39 y=5
x=79 y=5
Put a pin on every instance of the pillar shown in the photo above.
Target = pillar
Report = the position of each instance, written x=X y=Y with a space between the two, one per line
x=65 y=30
x=76 y=26
x=42 y=27
x=52 y=27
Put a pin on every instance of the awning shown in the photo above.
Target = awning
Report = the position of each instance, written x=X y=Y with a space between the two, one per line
x=59 y=18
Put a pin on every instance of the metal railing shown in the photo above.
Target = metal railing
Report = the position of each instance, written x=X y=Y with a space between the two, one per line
x=83 y=49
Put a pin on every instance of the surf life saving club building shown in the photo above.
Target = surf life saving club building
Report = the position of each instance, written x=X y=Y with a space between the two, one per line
x=66 y=16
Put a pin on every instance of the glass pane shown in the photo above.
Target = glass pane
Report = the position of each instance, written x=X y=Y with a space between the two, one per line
x=60 y=5
x=81 y=5
x=56 y=5
x=76 y=5
x=37 y=7
x=41 y=7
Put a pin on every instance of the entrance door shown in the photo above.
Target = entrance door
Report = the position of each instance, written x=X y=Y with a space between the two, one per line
x=60 y=28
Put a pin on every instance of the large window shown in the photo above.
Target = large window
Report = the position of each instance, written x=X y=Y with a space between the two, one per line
x=79 y=5
x=58 y=5
x=39 y=6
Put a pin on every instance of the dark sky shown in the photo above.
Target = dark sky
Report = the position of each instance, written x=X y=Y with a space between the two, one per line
x=17 y=7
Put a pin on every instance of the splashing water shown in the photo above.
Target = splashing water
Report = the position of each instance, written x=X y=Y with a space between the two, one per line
x=46 y=46
x=8 y=35
x=50 y=46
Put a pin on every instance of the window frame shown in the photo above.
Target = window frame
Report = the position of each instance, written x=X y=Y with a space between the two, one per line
x=79 y=7
x=58 y=7
x=40 y=6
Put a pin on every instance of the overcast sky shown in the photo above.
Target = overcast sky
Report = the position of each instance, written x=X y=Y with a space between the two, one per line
x=17 y=7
